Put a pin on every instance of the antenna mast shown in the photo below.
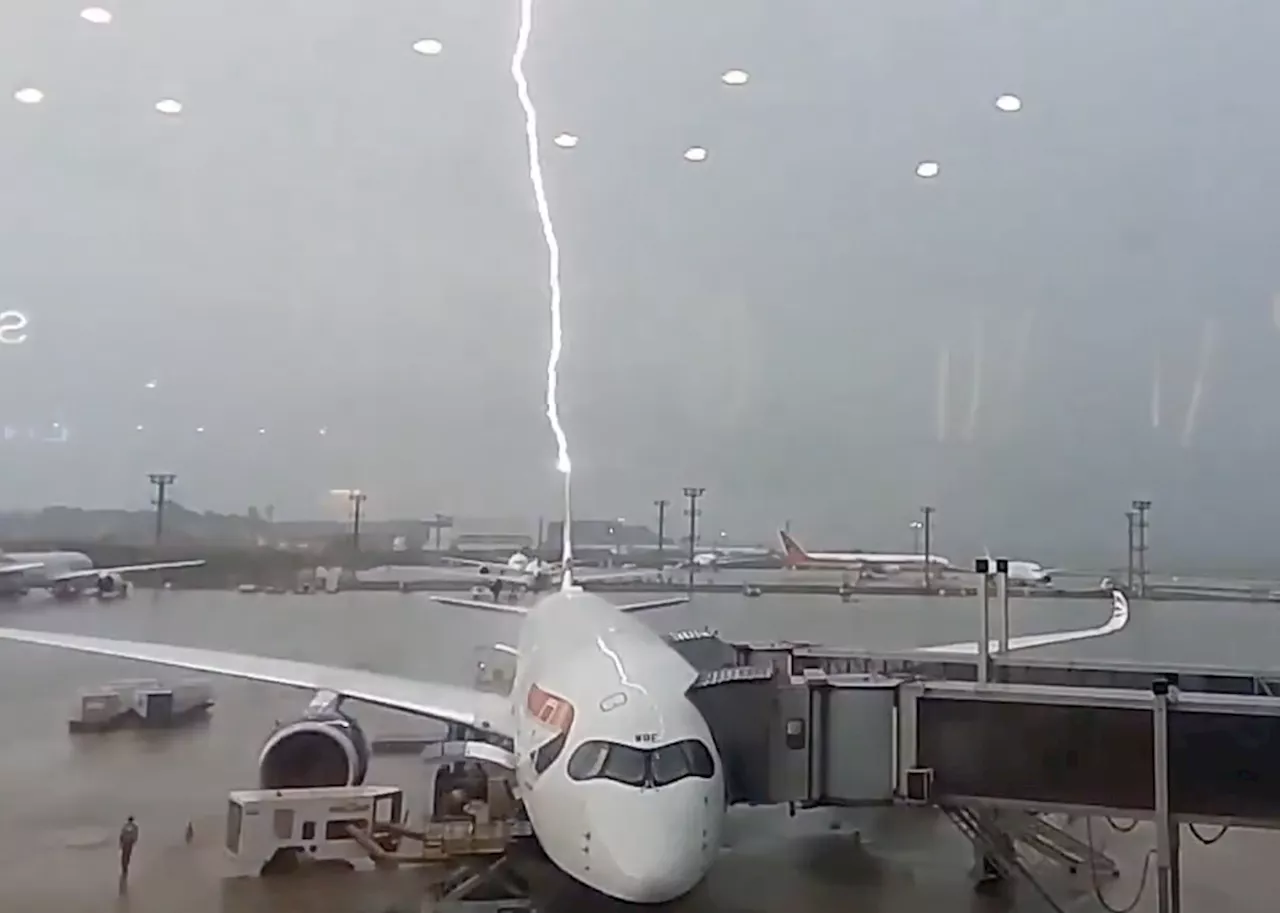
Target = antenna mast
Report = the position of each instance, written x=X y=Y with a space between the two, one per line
x=566 y=534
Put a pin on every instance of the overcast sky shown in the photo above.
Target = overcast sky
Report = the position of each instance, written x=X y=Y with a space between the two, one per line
x=338 y=233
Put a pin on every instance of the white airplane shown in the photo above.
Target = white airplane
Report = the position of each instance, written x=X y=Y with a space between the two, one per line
x=713 y=560
x=532 y=574
x=617 y=769
x=795 y=556
x=1030 y=572
x=69 y=574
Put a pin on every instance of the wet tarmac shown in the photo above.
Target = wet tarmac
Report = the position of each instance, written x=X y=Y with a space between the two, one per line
x=64 y=798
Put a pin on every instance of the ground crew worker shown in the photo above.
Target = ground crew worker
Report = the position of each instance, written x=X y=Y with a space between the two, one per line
x=128 y=837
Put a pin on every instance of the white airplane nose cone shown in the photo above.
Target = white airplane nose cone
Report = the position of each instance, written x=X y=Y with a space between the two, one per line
x=655 y=858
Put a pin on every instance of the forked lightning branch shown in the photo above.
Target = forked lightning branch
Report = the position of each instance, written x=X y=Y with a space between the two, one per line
x=13 y=328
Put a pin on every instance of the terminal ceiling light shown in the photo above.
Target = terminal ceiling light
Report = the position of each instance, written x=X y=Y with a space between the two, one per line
x=1009 y=103
x=137 y=428
x=324 y=431
x=566 y=141
x=735 y=77
x=169 y=106
x=262 y=431
x=96 y=14
x=200 y=429
x=29 y=96
x=150 y=385
x=695 y=154
x=428 y=46
x=927 y=170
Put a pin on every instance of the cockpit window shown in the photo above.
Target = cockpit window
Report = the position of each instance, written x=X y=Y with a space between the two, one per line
x=587 y=762
x=545 y=756
x=668 y=764
x=678 y=760
x=633 y=766
x=626 y=765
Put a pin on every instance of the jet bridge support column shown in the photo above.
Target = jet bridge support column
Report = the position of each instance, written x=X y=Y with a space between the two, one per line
x=1002 y=591
x=1168 y=870
x=982 y=566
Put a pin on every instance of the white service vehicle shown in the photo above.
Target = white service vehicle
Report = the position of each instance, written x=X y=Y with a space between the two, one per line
x=269 y=828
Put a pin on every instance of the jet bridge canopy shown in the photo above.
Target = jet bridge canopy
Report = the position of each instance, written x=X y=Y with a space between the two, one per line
x=812 y=741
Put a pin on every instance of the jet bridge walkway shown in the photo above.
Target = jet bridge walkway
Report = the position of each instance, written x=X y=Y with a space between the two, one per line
x=791 y=732
x=998 y=755
x=799 y=659
x=817 y=738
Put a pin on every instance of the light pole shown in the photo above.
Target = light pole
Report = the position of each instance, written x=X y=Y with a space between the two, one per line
x=662 y=504
x=357 y=499
x=161 y=481
x=1132 y=517
x=1142 y=506
x=916 y=527
x=693 y=493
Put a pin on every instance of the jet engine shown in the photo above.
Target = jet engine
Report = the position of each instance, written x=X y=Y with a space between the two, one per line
x=111 y=586
x=327 y=749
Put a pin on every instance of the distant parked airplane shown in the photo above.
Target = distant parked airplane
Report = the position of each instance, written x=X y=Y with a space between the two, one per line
x=70 y=574
x=795 y=556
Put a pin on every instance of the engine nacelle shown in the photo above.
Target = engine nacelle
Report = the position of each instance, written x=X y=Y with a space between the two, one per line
x=111 y=586
x=327 y=749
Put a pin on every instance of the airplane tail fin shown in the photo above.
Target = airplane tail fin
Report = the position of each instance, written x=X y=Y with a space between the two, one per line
x=792 y=552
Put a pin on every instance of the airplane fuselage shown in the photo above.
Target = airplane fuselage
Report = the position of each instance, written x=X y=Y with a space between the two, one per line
x=857 y=561
x=795 y=556
x=617 y=769
x=1028 y=572
x=52 y=566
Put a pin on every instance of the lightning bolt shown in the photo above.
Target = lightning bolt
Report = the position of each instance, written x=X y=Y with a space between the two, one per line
x=553 y=266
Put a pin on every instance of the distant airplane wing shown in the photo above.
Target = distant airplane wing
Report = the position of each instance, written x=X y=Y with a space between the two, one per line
x=653 y=604
x=514 y=609
x=126 y=569
x=509 y=607
x=465 y=572
x=745 y=559
x=1118 y=620
x=19 y=568
x=448 y=703
x=636 y=574
x=486 y=567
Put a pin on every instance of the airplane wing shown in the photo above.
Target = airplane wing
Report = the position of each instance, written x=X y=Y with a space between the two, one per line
x=19 y=568
x=1118 y=620
x=125 y=569
x=637 y=574
x=514 y=609
x=448 y=703
x=466 y=572
x=745 y=559
x=653 y=604
x=509 y=607
x=475 y=566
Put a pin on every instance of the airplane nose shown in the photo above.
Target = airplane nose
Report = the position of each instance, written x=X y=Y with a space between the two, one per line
x=655 y=858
